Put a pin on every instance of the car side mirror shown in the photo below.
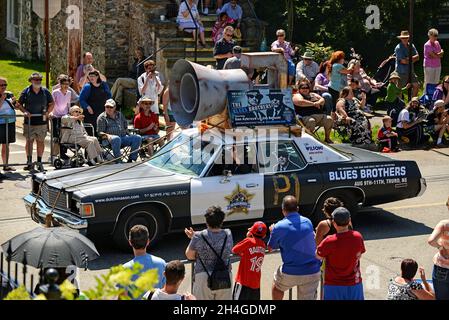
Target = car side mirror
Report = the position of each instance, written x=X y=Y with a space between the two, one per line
x=226 y=175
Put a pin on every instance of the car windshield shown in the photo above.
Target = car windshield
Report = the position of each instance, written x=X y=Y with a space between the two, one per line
x=185 y=154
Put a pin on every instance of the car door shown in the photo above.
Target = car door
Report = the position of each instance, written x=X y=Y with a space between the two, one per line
x=240 y=194
x=286 y=172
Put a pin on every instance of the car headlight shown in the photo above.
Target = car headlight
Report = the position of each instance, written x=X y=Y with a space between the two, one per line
x=86 y=210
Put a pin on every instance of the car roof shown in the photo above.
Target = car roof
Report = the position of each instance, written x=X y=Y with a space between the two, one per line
x=313 y=150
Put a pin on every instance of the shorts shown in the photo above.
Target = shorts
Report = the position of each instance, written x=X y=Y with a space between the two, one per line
x=307 y=285
x=242 y=293
x=11 y=127
x=35 y=132
x=350 y=293
x=291 y=68
x=404 y=79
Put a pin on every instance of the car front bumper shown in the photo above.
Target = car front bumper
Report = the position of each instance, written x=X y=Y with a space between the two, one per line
x=38 y=211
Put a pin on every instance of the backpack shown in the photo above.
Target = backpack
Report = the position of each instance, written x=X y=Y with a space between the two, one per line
x=220 y=278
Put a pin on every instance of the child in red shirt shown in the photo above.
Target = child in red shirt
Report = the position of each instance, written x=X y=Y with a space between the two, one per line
x=252 y=252
x=388 y=138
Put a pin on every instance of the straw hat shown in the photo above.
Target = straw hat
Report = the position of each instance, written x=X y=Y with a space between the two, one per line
x=394 y=75
x=404 y=35
x=308 y=55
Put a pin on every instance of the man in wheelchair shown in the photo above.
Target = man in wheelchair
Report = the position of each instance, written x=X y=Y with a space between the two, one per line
x=73 y=132
x=113 y=130
x=146 y=123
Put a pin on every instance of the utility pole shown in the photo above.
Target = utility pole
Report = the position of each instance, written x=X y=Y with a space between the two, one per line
x=47 y=44
x=410 y=49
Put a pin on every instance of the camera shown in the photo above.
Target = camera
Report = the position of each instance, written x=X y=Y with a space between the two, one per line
x=9 y=95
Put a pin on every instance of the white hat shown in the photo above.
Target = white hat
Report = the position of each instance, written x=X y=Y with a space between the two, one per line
x=111 y=103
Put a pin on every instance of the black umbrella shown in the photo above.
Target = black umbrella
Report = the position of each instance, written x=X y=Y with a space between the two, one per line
x=51 y=248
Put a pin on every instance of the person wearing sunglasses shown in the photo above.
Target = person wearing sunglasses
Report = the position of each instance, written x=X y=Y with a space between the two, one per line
x=223 y=48
x=113 y=129
x=284 y=47
x=440 y=239
x=93 y=97
x=35 y=100
x=310 y=107
x=7 y=124
x=63 y=98
x=78 y=135
x=432 y=59
x=147 y=122
x=150 y=85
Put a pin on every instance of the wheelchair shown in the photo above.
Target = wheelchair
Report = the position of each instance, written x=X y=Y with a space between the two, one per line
x=78 y=157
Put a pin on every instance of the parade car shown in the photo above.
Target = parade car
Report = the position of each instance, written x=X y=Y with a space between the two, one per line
x=174 y=189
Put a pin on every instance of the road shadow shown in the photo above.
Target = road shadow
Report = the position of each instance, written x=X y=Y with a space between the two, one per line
x=171 y=247
x=372 y=223
x=377 y=224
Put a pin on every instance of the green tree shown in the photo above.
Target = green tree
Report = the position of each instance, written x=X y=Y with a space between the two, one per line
x=341 y=24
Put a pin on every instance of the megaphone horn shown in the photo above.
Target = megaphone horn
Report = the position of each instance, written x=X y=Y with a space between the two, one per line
x=198 y=93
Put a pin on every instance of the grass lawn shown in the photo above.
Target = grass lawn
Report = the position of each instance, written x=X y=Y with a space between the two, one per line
x=18 y=71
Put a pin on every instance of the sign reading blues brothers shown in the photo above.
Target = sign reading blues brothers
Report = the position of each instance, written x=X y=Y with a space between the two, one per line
x=261 y=107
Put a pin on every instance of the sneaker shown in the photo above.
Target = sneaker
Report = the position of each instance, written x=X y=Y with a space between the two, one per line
x=9 y=169
x=29 y=167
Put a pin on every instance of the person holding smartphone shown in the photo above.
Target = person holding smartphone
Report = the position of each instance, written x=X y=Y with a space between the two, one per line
x=150 y=85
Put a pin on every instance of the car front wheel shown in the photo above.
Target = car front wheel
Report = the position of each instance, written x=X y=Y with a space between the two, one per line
x=147 y=216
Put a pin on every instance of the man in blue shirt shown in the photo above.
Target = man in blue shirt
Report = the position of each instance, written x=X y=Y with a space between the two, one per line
x=139 y=241
x=402 y=61
x=294 y=235
x=234 y=11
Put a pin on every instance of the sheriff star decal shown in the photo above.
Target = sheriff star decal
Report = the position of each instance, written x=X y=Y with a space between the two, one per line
x=239 y=201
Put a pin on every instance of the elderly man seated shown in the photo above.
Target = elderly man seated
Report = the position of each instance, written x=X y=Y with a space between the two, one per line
x=113 y=127
x=309 y=106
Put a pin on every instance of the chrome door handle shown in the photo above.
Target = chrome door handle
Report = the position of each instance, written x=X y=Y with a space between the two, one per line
x=312 y=181
x=252 y=185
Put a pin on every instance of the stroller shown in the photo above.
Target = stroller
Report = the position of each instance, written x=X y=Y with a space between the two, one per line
x=78 y=157
x=383 y=74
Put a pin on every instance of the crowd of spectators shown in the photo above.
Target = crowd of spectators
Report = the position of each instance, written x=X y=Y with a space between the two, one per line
x=330 y=255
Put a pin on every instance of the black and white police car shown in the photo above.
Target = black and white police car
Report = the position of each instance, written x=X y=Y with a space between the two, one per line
x=173 y=190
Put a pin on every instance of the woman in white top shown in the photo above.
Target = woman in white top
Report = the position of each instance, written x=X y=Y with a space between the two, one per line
x=187 y=24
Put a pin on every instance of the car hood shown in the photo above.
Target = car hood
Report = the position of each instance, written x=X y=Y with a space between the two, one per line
x=361 y=155
x=110 y=178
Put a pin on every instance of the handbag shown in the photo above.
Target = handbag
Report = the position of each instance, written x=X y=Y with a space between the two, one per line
x=220 y=278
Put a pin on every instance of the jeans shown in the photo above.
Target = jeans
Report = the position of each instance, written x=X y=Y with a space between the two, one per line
x=328 y=105
x=440 y=278
x=133 y=141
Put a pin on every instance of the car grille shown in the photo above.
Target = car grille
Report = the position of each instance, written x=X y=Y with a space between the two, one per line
x=49 y=195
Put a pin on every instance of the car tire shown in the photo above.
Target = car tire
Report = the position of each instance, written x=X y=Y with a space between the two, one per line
x=146 y=215
x=347 y=197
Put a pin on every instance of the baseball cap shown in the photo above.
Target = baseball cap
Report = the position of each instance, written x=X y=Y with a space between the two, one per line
x=259 y=229
x=341 y=216
x=111 y=103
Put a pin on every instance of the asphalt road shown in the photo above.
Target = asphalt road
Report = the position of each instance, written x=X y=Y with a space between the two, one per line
x=392 y=232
